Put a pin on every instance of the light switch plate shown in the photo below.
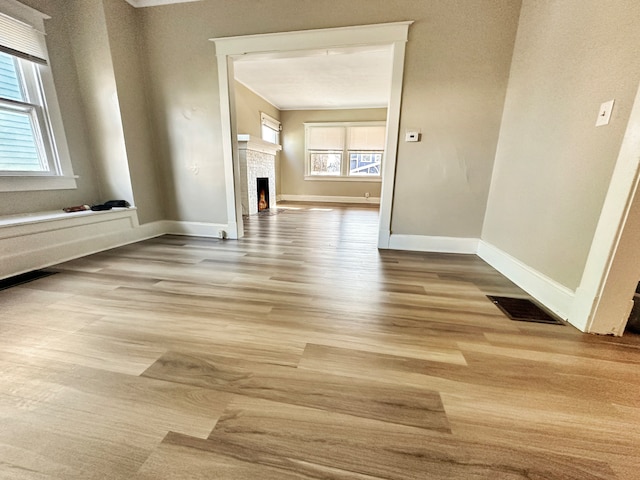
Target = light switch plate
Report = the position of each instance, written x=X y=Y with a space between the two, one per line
x=604 y=114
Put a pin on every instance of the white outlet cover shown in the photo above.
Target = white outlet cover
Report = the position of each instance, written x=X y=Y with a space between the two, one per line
x=604 y=114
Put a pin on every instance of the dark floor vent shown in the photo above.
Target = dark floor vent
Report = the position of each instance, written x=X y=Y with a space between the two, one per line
x=523 y=310
x=23 y=278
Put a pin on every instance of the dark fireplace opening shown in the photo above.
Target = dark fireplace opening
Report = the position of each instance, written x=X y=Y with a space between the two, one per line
x=263 y=194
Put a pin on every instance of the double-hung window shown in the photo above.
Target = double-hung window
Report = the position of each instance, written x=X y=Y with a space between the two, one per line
x=33 y=151
x=346 y=150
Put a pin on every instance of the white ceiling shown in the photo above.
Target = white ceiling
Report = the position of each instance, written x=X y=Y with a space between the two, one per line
x=326 y=79
x=153 y=3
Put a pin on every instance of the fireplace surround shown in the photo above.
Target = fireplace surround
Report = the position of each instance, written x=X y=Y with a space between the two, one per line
x=257 y=160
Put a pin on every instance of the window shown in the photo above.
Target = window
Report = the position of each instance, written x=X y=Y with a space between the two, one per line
x=344 y=150
x=33 y=149
x=365 y=147
x=24 y=134
x=325 y=148
x=270 y=129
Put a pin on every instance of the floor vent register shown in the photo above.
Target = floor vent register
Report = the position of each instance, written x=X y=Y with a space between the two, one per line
x=523 y=310
x=24 y=278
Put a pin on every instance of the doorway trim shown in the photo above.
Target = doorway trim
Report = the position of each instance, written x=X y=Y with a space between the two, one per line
x=228 y=48
x=603 y=300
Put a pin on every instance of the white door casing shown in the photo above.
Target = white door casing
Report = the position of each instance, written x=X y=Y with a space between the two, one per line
x=228 y=48
x=603 y=299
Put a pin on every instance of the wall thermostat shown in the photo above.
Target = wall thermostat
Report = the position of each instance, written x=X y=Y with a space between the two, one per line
x=411 y=136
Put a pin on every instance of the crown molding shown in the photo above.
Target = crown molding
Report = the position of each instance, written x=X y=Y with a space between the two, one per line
x=154 y=3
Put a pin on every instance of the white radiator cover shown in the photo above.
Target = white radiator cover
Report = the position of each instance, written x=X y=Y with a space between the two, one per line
x=29 y=242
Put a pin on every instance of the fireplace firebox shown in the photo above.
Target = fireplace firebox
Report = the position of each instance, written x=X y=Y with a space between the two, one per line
x=263 y=193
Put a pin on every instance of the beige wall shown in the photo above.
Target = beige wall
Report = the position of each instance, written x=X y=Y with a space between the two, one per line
x=74 y=119
x=89 y=42
x=293 y=160
x=126 y=55
x=456 y=74
x=248 y=108
x=455 y=80
x=553 y=165
x=457 y=67
x=184 y=109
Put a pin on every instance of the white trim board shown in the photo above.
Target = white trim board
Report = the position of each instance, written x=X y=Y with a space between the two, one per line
x=251 y=142
x=553 y=295
x=387 y=189
x=194 y=229
x=421 y=243
x=327 y=199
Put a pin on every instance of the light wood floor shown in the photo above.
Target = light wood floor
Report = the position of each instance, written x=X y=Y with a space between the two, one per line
x=302 y=352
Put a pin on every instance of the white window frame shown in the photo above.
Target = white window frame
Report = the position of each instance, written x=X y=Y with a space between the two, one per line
x=42 y=104
x=344 y=175
x=270 y=126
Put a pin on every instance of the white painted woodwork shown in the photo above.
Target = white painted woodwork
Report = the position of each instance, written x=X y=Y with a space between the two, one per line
x=29 y=242
x=604 y=297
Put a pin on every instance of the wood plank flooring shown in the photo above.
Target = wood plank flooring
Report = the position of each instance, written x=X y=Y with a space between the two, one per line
x=302 y=352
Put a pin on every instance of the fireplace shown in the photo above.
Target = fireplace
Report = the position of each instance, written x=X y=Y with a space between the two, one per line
x=257 y=160
x=262 y=184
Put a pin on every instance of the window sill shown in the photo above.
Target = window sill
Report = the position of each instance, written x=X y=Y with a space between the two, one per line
x=328 y=178
x=34 y=183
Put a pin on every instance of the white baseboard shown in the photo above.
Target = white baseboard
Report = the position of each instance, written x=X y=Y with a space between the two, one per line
x=553 y=295
x=421 y=243
x=195 y=229
x=326 y=199
x=150 y=230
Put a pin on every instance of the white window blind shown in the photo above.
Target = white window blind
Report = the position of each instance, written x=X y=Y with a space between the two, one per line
x=270 y=128
x=325 y=138
x=22 y=40
x=367 y=138
x=269 y=122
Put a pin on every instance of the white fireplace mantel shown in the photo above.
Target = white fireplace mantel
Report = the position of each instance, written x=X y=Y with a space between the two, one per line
x=248 y=142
